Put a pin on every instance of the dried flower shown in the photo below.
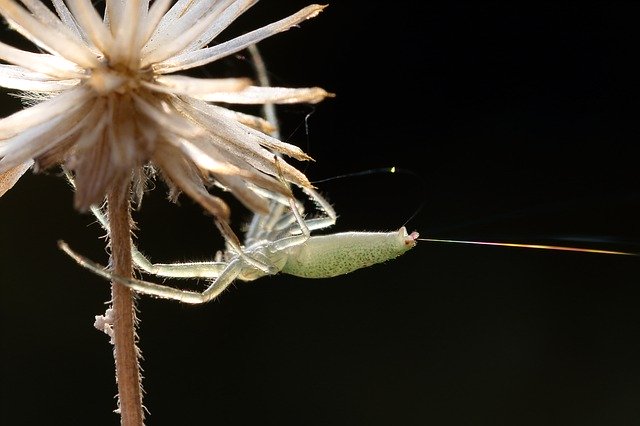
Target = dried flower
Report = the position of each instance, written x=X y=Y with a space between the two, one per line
x=107 y=102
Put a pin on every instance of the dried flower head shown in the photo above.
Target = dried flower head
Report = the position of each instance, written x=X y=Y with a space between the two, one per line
x=107 y=102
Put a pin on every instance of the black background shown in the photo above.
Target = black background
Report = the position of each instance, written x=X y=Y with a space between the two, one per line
x=517 y=122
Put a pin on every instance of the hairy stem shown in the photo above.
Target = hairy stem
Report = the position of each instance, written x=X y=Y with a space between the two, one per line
x=123 y=304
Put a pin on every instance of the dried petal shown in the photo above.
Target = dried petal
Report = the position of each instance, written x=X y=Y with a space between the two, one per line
x=11 y=176
x=111 y=110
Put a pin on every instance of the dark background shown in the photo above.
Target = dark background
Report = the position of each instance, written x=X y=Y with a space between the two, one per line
x=515 y=122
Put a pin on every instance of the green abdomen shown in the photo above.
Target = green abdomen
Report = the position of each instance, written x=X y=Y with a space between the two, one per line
x=337 y=254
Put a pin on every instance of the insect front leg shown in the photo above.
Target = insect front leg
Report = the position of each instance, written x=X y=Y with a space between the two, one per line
x=324 y=206
x=171 y=270
x=294 y=240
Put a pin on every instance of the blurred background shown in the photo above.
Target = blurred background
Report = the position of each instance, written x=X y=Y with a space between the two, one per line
x=509 y=121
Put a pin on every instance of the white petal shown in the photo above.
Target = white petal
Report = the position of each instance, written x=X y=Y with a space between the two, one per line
x=113 y=14
x=210 y=54
x=183 y=175
x=198 y=86
x=245 y=170
x=244 y=193
x=40 y=138
x=15 y=71
x=65 y=15
x=15 y=77
x=27 y=144
x=156 y=12
x=168 y=120
x=98 y=119
x=252 y=121
x=10 y=177
x=44 y=63
x=166 y=22
x=229 y=15
x=124 y=48
x=184 y=31
x=207 y=162
x=240 y=141
x=37 y=86
x=42 y=112
x=45 y=36
x=238 y=132
x=209 y=118
x=140 y=26
x=47 y=17
x=91 y=23
x=271 y=95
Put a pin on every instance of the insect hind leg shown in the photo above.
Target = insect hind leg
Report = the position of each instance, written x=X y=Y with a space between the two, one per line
x=217 y=286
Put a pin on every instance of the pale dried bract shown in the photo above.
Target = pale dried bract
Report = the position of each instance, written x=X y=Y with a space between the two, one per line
x=109 y=106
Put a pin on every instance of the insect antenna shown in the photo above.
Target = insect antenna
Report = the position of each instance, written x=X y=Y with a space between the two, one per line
x=530 y=246
x=355 y=174
x=393 y=170
x=541 y=243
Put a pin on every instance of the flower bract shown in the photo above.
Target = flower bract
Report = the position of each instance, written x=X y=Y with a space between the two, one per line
x=105 y=100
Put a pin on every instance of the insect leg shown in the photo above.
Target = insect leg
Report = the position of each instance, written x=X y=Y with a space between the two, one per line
x=172 y=270
x=233 y=241
x=218 y=285
x=324 y=206
x=180 y=270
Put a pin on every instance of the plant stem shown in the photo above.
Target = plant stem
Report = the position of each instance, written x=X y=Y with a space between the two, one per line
x=125 y=350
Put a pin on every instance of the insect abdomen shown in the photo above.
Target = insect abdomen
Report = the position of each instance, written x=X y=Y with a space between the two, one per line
x=330 y=255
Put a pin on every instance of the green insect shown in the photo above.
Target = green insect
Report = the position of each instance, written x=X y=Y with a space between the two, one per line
x=280 y=241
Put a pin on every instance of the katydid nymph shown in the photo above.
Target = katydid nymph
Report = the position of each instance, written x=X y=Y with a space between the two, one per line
x=280 y=241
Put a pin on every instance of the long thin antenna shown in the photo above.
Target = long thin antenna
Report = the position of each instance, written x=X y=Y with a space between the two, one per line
x=354 y=174
x=530 y=246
